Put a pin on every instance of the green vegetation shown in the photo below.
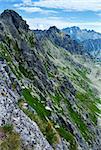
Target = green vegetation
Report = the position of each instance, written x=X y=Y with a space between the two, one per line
x=15 y=71
x=57 y=98
x=31 y=40
x=8 y=128
x=36 y=104
x=52 y=135
x=59 y=66
x=6 y=55
x=8 y=40
x=83 y=74
x=50 y=74
x=14 y=85
x=11 y=140
x=75 y=116
x=89 y=102
x=46 y=66
x=26 y=73
x=69 y=137
x=78 y=120
x=46 y=127
x=16 y=47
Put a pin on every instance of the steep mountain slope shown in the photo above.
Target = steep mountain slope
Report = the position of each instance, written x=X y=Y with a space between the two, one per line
x=93 y=47
x=90 y=40
x=45 y=92
x=82 y=35
x=59 y=38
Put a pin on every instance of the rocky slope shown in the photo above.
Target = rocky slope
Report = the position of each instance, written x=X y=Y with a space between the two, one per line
x=45 y=93
x=90 y=40
x=82 y=35
x=93 y=47
x=60 y=39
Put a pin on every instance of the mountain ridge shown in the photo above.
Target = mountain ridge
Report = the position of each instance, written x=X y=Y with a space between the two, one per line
x=59 y=38
x=79 y=34
x=45 y=91
x=89 y=39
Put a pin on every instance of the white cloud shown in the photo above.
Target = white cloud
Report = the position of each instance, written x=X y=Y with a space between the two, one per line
x=34 y=9
x=78 y=5
x=45 y=23
x=30 y=9
x=27 y=1
x=68 y=5
x=65 y=5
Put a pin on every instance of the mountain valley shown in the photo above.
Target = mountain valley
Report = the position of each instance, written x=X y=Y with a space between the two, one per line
x=50 y=89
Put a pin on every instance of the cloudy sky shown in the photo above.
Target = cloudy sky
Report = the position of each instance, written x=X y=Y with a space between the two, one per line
x=41 y=14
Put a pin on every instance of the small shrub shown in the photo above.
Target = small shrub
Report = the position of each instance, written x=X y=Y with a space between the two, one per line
x=8 y=128
x=12 y=142
x=51 y=134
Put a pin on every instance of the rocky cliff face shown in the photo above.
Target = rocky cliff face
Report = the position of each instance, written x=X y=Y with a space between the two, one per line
x=89 y=39
x=93 y=47
x=82 y=35
x=60 y=39
x=45 y=92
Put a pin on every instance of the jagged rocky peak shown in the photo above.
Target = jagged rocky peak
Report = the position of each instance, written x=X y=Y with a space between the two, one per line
x=9 y=13
x=45 y=89
x=54 y=29
x=81 y=34
x=75 y=28
x=72 y=29
x=12 y=17
x=90 y=39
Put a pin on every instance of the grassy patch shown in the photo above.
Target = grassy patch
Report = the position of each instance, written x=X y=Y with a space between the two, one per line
x=57 y=98
x=36 y=104
x=26 y=73
x=77 y=119
x=6 y=55
x=83 y=73
x=89 y=102
x=8 y=128
x=11 y=140
x=45 y=126
x=69 y=137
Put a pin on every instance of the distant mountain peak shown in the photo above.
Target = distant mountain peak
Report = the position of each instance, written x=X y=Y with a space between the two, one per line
x=75 y=27
x=46 y=81
x=90 y=40
x=54 y=28
x=81 y=34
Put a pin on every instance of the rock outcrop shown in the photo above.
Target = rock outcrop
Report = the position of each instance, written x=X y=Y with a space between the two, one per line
x=89 y=39
x=45 y=92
